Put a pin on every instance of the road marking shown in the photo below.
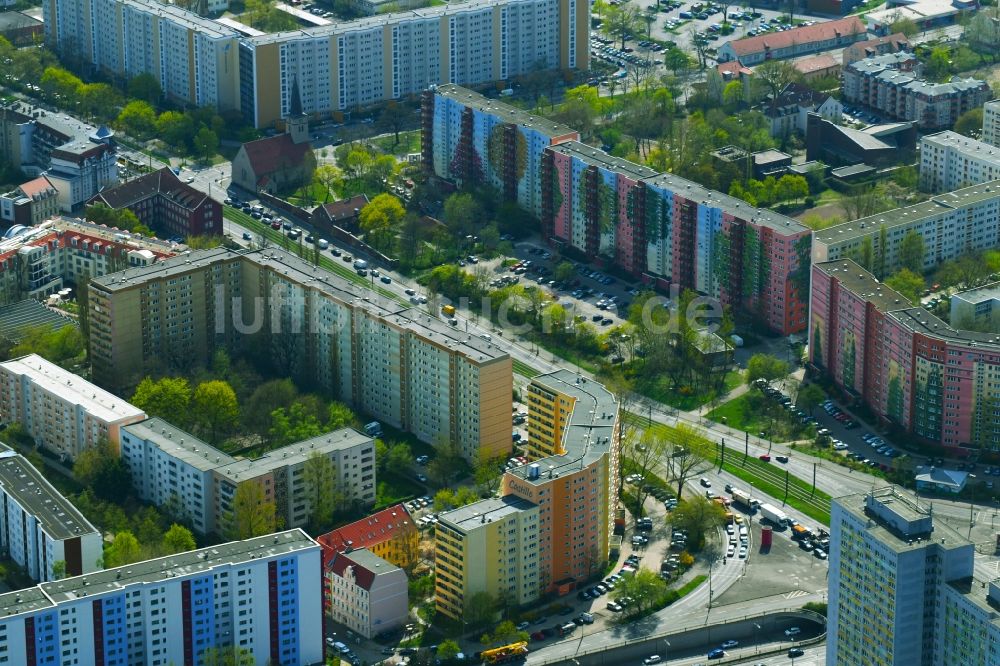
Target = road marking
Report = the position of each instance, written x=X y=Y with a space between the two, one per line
x=796 y=593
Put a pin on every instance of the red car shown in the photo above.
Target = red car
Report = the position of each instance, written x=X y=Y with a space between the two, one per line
x=765 y=458
x=276 y=224
x=538 y=636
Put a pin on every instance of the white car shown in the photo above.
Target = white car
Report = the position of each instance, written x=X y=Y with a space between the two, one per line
x=743 y=552
x=793 y=631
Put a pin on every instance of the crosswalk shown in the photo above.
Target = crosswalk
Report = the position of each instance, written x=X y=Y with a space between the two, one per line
x=796 y=593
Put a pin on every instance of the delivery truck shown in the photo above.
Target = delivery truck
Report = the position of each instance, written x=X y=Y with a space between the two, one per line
x=774 y=515
x=742 y=498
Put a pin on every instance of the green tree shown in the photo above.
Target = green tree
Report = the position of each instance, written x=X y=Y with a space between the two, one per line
x=178 y=539
x=319 y=479
x=145 y=87
x=269 y=396
x=645 y=589
x=330 y=178
x=205 y=143
x=393 y=118
x=810 y=396
x=227 y=656
x=293 y=425
x=678 y=61
x=771 y=76
x=488 y=473
x=64 y=346
x=622 y=21
x=938 y=65
x=138 y=119
x=563 y=271
x=644 y=455
x=690 y=453
x=339 y=416
x=766 y=367
x=125 y=549
x=98 y=99
x=448 y=650
x=175 y=128
x=380 y=220
x=462 y=213
x=909 y=284
x=399 y=458
x=480 y=607
x=58 y=570
x=61 y=84
x=905 y=25
x=122 y=218
x=101 y=469
x=698 y=515
x=911 y=252
x=214 y=409
x=252 y=514
x=733 y=95
x=970 y=123
x=168 y=398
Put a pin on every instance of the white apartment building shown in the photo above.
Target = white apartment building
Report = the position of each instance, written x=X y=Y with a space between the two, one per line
x=902 y=590
x=62 y=411
x=171 y=467
x=39 y=527
x=991 y=122
x=949 y=161
x=951 y=224
x=977 y=309
x=367 y=594
x=261 y=595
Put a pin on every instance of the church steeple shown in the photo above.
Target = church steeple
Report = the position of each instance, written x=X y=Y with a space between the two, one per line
x=297 y=123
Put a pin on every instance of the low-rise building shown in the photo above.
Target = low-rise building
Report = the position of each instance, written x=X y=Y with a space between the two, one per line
x=343 y=213
x=390 y=534
x=991 y=122
x=888 y=85
x=40 y=529
x=166 y=205
x=367 y=594
x=939 y=479
x=173 y=468
x=880 y=145
x=62 y=412
x=818 y=66
x=821 y=36
x=789 y=111
x=19 y=28
x=977 y=309
x=949 y=161
x=30 y=203
x=261 y=596
x=874 y=47
x=925 y=14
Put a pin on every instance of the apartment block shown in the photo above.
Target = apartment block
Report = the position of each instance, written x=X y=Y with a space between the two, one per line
x=912 y=370
x=889 y=555
x=490 y=546
x=949 y=161
x=951 y=224
x=889 y=85
x=63 y=412
x=261 y=595
x=39 y=527
x=339 y=66
x=991 y=122
x=399 y=364
x=171 y=467
x=472 y=139
x=977 y=309
x=367 y=594
x=572 y=476
x=30 y=203
x=389 y=534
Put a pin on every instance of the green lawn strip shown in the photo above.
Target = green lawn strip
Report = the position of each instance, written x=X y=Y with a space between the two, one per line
x=739 y=413
x=654 y=388
x=690 y=586
x=817 y=507
x=525 y=370
x=393 y=489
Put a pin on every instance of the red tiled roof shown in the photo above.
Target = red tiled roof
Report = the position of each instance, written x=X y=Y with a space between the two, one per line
x=37 y=187
x=817 y=63
x=733 y=68
x=362 y=576
x=365 y=533
x=275 y=153
x=343 y=209
x=818 y=32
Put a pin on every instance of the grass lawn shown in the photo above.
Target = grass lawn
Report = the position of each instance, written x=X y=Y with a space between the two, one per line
x=393 y=489
x=524 y=369
x=657 y=388
x=745 y=413
x=770 y=480
x=312 y=193
x=690 y=586
x=409 y=142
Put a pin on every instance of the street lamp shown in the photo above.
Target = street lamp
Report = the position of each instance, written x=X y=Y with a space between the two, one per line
x=756 y=638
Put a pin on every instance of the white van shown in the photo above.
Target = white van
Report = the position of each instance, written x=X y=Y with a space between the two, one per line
x=360 y=263
x=323 y=243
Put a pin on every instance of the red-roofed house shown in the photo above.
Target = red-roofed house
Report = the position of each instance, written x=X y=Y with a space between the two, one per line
x=873 y=47
x=390 y=534
x=30 y=203
x=818 y=66
x=800 y=41
x=277 y=163
x=343 y=213
x=366 y=593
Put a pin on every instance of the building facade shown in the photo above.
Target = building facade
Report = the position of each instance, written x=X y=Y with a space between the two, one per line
x=173 y=468
x=977 y=309
x=389 y=534
x=472 y=139
x=339 y=66
x=261 y=595
x=39 y=528
x=888 y=85
x=402 y=366
x=800 y=41
x=949 y=161
x=951 y=224
x=912 y=370
x=30 y=203
x=63 y=412
x=991 y=122
x=367 y=594
x=166 y=205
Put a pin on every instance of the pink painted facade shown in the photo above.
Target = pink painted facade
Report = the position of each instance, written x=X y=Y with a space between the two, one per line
x=562 y=215
x=625 y=232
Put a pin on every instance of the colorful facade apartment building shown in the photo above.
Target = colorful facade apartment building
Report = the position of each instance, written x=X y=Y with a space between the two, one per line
x=397 y=363
x=910 y=368
x=662 y=228
x=390 y=534
x=561 y=505
x=951 y=224
x=472 y=139
x=39 y=527
x=261 y=595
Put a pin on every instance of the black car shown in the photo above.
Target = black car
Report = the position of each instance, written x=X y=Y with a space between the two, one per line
x=796 y=652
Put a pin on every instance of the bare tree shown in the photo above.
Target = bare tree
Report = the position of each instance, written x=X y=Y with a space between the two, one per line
x=690 y=454
x=644 y=454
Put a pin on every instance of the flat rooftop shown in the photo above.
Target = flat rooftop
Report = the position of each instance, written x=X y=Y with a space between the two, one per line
x=937 y=205
x=57 y=516
x=989 y=292
x=588 y=434
x=472 y=516
x=72 y=388
x=506 y=112
x=964 y=145
x=204 y=26
x=180 y=444
x=861 y=282
x=904 y=507
x=600 y=159
x=294 y=454
x=370 y=561
x=335 y=286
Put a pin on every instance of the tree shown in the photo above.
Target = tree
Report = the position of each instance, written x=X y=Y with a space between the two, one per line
x=269 y=396
x=175 y=128
x=488 y=473
x=698 y=515
x=864 y=201
x=178 y=539
x=938 y=64
x=214 y=409
x=64 y=346
x=98 y=99
x=480 y=607
x=909 y=284
x=125 y=549
x=339 y=415
x=644 y=588
x=319 y=478
x=678 y=61
x=792 y=188
x=252 y=514
x=100 y=468
x=690 y=452
x=911 y=252
x=773 y=75
x=294 y=424
x=766 y=367
x=121 y=218
x=138 y=119
x=733 y=95
x=810 y=396
x=227 y=656
x=399 y=457
x=168 y=398
x=205 y=143
x=380 y=218
x=60 y=84
x=563 y=272
x=447 y=650
x=645 y=455
x=905 y=25
x=970 y=123
x=145 y=88
x=329 y=178
x=393 y=118
x=622 y=21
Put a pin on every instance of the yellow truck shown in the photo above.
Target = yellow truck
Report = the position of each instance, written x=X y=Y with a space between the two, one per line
x=448 y=310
